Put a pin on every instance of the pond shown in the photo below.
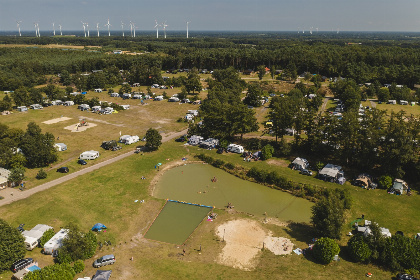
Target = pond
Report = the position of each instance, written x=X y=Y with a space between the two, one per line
x=193 y=183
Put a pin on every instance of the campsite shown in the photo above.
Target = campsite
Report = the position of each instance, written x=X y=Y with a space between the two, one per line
x=141 y=204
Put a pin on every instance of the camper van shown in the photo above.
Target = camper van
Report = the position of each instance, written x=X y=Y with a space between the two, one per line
x=128 y=139
x=195 y=140
x=83 y=107
x=33 y=236
x=68 y=103
x=233 y=148
x=22 y=108
x=36 y=106
x=114 y=94
x=126 y=95
x=89 y=155
x=55 y=242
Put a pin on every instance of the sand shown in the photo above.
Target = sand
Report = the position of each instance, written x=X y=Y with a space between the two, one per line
x=57 y=120
x=244 y=241
x=74 y=128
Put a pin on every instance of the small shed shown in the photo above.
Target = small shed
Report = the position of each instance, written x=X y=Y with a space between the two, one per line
x=60 y=147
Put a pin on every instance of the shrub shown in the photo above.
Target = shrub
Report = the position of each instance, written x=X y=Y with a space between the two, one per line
x=78 y=266
x=325 y=249
x=359 y=250
x=385 y=182
x=230 y=166
x=41 y=174
x=267 y=152
x=46 y=237
x=218 y=163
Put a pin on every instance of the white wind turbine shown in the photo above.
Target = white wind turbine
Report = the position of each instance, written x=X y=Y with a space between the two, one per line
x=310 y=30
x=87 y=27
x=84 y=27
x=18 y=26
x=188 y=22
x=97 y=28
x=157 y=29
x=37 y=29
x=61 y=33
x=53 y=28
x=108 y=24
x=122 y=28
x=131 y=29
x=164 y=28
x=134 y=30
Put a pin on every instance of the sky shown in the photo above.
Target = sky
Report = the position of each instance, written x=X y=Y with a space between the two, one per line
x=215 y=15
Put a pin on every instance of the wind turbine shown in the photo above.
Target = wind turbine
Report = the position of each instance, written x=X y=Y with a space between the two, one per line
x=53 y=28
x=97 y=28
x=317 y=29
x=134 y=29
x=164 y=28
x=157 y=29
x=18 y=25
x=61 y=33
x=37 y=25
x=338 y=30
x=87 y=27
x=122 y=27
x=108 y=24
x=84 y=27
x=187 y=28
x=131 y=29
x=36 y=29
x=298 y=30
x=310 y=30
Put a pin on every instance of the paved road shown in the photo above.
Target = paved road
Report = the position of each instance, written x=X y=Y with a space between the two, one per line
x=13 y=194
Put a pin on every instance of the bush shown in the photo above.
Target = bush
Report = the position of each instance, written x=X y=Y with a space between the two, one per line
x=359 y=250
x=218 y=163
x=78 y=266
x=325 y=249
x=41 y=174
x=384 y=182
x=46 y=237
x=267 y=152
x=230 y=166
x=12 y=246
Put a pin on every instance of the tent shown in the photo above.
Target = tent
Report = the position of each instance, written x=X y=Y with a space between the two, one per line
x=102 y=275
x=98 y=227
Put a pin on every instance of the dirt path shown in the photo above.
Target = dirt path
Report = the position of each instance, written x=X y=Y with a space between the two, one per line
x=324 y=104
x=10 y=195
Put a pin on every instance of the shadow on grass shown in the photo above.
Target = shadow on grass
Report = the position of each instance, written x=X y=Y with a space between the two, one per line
x=301 y=232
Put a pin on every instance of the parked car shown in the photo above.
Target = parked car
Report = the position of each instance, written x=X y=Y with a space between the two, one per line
x=220 y=150
x=405 y=276
x=63 y=170
x=116 y=148
x=21 y=264
x=105 y=260
x=181 y=139
x=306 y=172
x=82 y=162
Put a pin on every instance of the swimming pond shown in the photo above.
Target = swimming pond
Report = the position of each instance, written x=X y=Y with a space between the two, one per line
x=193 y=183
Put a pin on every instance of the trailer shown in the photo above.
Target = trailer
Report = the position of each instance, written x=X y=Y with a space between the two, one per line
x=129 y=139
x=89 y=155
x=33 y=236
x=55 y=242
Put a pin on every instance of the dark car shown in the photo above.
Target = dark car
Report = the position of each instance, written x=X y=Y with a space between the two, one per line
x=46 y=104
x=181 y=139
x=82 y=162
x=306 y=172
x=21 y=264
x=220 y=151
x=63 y=170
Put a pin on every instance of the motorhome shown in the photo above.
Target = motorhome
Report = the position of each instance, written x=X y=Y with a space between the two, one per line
x=33 y=236
x=195 y=140
x=68 y=103
x=89 y=155
x=22 y=108
x=114 y=94
x=98 y=90
x=83 y=107
x=55 y=242
x=129 y=139
x=36 y=107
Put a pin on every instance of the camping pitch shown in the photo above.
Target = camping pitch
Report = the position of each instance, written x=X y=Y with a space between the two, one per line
x=177 y=221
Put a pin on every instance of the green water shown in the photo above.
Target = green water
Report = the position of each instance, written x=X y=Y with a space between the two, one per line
x=176 y=222
x=192 y=183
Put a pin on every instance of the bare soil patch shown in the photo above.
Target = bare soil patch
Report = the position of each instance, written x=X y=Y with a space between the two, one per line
x=278 y=245
x=57 y=120
x=278 y=162
x=76 y=128
x=244 y=240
